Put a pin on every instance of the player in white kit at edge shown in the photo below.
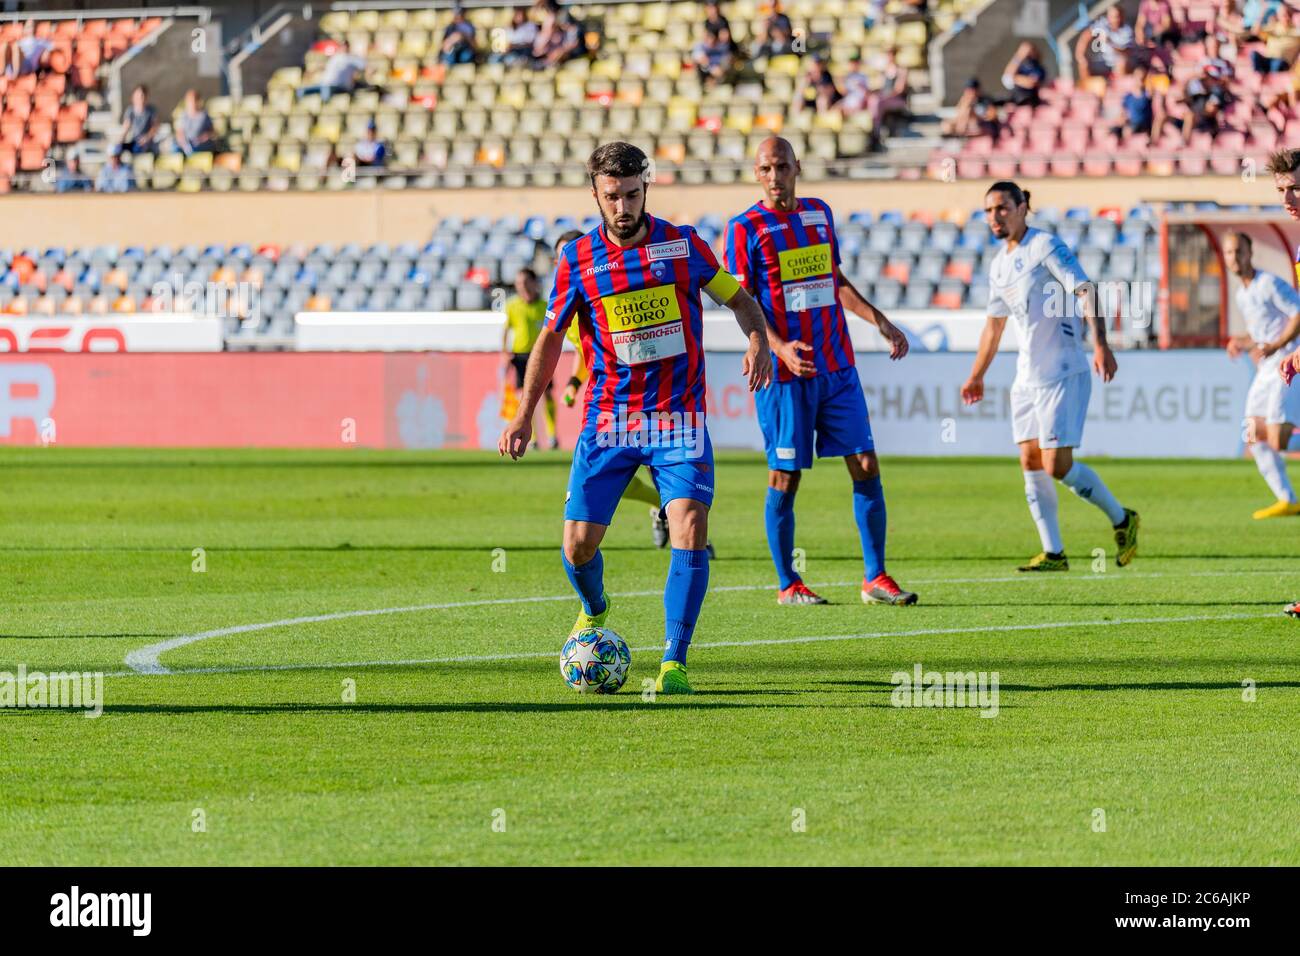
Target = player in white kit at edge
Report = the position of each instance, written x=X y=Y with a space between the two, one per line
x=1270 y=307
x=1036 y=281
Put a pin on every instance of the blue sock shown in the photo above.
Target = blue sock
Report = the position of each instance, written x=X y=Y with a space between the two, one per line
x=780 y=534
x=688 y=579
x=589 y=581
x=869 y=511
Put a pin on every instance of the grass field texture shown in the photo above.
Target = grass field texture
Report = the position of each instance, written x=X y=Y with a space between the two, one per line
x=1121 y=692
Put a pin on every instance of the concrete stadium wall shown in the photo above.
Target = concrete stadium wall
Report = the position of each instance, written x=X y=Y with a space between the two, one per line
x=152 y=219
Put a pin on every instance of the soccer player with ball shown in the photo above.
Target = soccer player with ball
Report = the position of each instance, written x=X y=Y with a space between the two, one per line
x=1035 y=280
x=634 y=287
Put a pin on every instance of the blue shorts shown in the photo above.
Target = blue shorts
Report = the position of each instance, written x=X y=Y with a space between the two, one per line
x=830 y=404
x=602 y=470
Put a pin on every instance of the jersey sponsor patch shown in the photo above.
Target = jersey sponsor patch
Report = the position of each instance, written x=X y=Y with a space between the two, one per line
x=813 y=294
x=785 y=454
x=813 y=217
x=677 y=249
x=805 y=262
x=645 y=325
x=550 y=315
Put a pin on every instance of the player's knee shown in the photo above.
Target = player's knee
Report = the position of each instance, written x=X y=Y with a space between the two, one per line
x=868 y=466
x=1031 y=460
x=786 y=482
x=579 y=550
x=1059 y=466
x=689 y=526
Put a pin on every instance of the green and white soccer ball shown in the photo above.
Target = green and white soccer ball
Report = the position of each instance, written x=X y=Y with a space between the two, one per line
x=595 y=660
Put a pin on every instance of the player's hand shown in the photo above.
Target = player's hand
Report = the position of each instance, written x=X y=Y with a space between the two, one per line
x=1103 y=362
x=756 y=366
x=570 y=396
x=1234 y=348
x=895 y=337
x=515 y=438
x=1263 y=350
x=973 y=390
x=1289 y=367
x=788 y=352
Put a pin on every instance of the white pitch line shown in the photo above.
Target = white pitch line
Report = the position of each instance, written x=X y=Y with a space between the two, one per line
x=146 y=660
x=657 y=648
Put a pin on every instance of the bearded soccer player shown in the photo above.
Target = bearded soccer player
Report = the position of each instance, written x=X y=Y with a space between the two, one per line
x=638 y=489
x=783 y=249
x=633 y=284
x=1284 y=166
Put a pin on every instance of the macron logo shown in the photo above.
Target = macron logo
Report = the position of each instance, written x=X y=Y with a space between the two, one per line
x=603 y=267
x=134 y=910
x=768 y=230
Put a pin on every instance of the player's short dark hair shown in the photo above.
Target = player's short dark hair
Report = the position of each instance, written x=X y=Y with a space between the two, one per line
x=566 y=238
x=1240 y=236
x=617 y=159
x=1017 y=194
x=528 y=273
x=1283 y=162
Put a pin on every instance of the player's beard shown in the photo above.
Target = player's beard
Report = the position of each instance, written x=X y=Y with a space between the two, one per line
x=627 y=229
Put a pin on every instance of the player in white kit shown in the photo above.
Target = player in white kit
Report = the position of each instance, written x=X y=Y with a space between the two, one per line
x=1271 y=309
x=1036 y=281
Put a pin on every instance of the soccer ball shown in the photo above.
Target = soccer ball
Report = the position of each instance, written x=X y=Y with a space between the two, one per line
x=595 y=660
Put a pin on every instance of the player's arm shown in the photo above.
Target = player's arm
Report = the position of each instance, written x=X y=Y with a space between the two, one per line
x=1288 y=302
x=542 y=361
x=856 y=302
x=1060 y=262
x=757 y=363
x=990 y=338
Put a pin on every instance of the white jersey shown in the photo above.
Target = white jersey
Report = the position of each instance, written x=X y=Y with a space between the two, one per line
x=1034 y=285
x=1266 y=303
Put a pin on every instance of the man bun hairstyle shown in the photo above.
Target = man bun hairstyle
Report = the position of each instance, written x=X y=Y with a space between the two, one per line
x=1017 y=194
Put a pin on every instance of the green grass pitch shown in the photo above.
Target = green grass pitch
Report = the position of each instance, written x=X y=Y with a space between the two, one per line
x=1121 y=693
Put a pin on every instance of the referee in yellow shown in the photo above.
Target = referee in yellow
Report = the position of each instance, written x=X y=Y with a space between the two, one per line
x=525 y=313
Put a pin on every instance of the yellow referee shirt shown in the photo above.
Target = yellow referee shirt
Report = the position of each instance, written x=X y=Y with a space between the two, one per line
x=524 y=319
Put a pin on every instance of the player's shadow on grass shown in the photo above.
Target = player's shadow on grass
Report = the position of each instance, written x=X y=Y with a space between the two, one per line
x=74 y=637
x=888 y=686
x=1112 y=603
x=469 y=707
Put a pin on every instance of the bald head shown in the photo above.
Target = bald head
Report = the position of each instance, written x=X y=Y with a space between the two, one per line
x=776 y=168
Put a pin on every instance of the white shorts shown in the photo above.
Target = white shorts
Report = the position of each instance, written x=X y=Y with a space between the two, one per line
x=1053 y=414
x=1269 y=397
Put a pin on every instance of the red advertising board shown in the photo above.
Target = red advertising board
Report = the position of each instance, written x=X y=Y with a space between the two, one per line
x=279 y=399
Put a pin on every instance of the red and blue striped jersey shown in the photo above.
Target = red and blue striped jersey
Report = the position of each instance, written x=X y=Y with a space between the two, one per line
x=640 y=317
x=789 y=261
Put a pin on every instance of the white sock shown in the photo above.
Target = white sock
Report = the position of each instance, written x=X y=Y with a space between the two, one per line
x=1040 y=492
x=1272 y=466
x=1087 y=484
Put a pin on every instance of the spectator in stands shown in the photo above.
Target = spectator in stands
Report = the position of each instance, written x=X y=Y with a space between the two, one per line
x=1256 y=13
x=875 y=14
x=28 y=54
x=890 y=101
x=1140 y=107
x=715 y=55
x=1116 y=46
x=1025 y=75
x=714 y=21
x=194 y=132
x=1227 y=23
x=370 y=149
x=139 y=132
x=520 y=39
x=458 y=39
x=114 y=176
x=1281 y=43
x=559 y=40
x=977 y=114
x=816 y=88
x=1215 y=64
x=857 y=89
x=1205 y=98
x=1157 y=24
x=71 y=179
x=339 y=75
x=776 y=36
